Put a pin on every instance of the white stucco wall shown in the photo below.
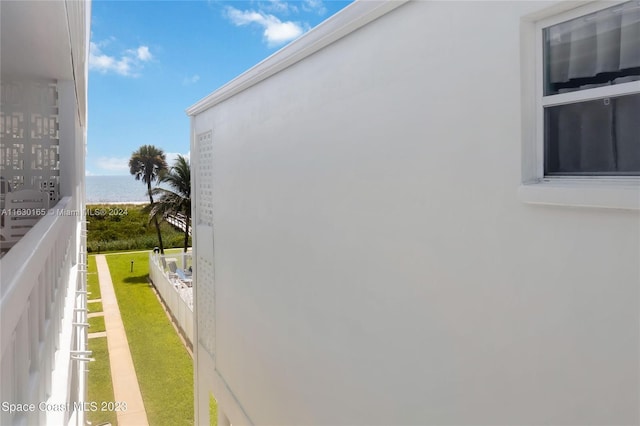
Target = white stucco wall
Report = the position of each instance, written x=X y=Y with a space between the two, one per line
x=373 y=264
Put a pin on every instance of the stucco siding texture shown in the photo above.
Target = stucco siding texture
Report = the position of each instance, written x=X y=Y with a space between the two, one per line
x=373 y=262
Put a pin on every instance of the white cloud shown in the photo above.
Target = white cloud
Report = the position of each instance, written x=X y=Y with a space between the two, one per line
x=286 y=7
x=88 y=173
x=275 y=32
x=278 y=6
x=172 y=156
x=191 y=80
x=113 y=164
x=281 y=32
x=129 y=64
x=314 y=6
x=144 y=54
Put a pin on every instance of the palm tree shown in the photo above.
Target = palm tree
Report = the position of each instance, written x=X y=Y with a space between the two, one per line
x=175 y=200
x=148 y=164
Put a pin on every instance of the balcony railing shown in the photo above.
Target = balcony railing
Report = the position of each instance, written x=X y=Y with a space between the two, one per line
x=40 y=284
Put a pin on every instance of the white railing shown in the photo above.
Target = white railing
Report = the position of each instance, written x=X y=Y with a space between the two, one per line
x=37 y=275
x=80 y=354
x=176 y=292
x=179 y=221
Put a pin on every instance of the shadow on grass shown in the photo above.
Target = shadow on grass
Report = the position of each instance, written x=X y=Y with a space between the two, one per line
x=140 y=279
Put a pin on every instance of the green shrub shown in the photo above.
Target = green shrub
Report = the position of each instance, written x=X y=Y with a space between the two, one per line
x=126 y=227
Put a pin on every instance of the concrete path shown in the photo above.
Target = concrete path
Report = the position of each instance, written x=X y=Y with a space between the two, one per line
x=123 y=374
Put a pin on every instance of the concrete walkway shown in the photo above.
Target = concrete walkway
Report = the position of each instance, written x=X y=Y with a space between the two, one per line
x=123 y=374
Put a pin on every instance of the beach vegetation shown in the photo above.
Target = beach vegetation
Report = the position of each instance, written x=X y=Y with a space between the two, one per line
x=126 y=227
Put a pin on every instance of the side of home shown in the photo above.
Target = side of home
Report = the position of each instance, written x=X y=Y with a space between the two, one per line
x=398 y=221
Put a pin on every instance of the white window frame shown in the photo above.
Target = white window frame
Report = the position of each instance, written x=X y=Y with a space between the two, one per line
x=621 y=192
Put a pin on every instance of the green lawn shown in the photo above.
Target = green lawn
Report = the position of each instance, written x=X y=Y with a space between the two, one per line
x=96 y=324
x=94 y=307
x=93 y=287
x=163 y=365
x=100 y=386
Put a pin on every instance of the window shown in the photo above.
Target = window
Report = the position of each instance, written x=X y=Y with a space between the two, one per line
x=590 y=93
x=581 y=105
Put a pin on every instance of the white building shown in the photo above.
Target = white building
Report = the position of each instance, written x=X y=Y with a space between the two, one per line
x=425 y=213
x=44 y=51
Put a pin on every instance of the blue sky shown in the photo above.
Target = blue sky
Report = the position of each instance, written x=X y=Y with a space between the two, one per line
x=150 y=60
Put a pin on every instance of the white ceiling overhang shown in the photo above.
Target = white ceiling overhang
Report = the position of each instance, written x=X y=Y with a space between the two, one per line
x=34 y=40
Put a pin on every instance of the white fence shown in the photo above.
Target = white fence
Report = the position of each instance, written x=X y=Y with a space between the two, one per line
x=175 y=288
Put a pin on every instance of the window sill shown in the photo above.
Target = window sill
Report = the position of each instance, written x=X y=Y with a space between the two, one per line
x=587 y=192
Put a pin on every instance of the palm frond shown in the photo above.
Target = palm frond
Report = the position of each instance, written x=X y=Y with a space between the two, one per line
x=148 y=163
x=175 y=198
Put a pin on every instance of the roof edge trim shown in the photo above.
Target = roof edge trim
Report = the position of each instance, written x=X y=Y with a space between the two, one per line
x=353 y=17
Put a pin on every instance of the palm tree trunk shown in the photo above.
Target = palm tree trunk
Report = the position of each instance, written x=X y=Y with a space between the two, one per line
x=186 y=230
x=155 y=221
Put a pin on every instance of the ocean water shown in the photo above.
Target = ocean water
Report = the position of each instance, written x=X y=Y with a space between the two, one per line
x=115 y=189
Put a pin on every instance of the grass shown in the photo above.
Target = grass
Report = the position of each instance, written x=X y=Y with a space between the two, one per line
x=96 y=324
x=163 y=365
x=93 y=287
x=213 y=411
x=94 y=307
x=100 y=385
x=126 y=227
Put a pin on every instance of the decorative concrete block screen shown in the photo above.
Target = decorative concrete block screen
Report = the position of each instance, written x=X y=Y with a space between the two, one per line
x=205 y=298
x=29 y=147
x=205 y=179
x=206 y=303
